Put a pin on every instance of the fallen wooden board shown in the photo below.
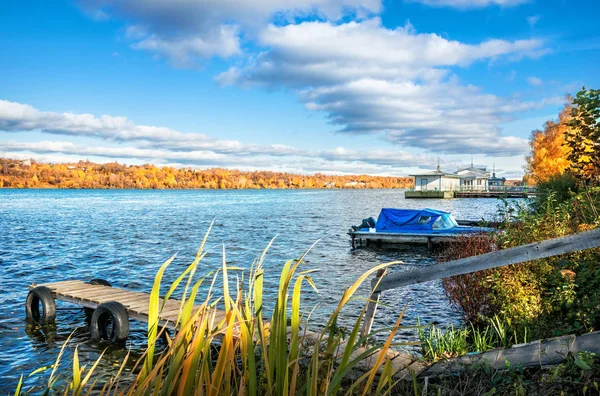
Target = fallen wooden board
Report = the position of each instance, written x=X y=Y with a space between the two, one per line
x=536 y=353
x=499 y=258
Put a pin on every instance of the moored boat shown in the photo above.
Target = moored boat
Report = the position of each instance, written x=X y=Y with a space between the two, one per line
x=420 y=226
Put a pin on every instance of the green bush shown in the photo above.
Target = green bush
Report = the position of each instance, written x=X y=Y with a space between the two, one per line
x=549 y=297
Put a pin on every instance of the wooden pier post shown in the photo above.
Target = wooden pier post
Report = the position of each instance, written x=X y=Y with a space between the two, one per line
x=372 y=307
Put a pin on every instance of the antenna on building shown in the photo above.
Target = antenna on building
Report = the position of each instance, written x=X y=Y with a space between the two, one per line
x=438 y=167
x=494 y=172
x=471 y=161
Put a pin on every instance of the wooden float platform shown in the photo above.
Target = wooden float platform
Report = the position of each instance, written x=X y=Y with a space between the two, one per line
x=365 y=238
x=137 y=306
x=136 y=303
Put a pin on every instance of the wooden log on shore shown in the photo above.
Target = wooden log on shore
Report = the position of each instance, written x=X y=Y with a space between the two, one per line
x=538 y=353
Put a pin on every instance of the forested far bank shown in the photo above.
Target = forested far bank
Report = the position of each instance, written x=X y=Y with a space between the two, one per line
x=85 y=174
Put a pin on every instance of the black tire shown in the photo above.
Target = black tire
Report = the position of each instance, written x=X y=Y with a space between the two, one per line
x=110 y=322
x=100 y=282
x=89 y=311
x=40 y=295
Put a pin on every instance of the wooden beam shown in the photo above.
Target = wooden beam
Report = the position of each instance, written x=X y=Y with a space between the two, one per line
x=520 y=254
x=371 y=307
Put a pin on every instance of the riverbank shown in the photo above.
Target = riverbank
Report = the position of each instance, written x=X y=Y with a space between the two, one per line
x=85 y=174
x=553 y=298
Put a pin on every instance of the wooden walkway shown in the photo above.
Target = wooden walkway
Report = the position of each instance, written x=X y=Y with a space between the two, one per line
x=493 y=194
x=136 y=303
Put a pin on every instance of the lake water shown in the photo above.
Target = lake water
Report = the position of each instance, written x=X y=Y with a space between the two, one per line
x=125 y=235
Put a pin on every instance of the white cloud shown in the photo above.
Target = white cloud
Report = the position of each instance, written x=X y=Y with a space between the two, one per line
x=326 y=52
x=464 y=4
x=370 y=79
x=184 y=30
x=161 y=145
x=533 y=20
x=16 y=117
x=182 y=51
x=384 y=162
x=535 y=81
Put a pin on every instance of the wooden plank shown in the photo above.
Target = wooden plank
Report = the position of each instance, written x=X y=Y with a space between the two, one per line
x=166 y=313
x=99 y=299
x=76 y=288
x=91 y=294
x=139 y=306
x=520 y=254
x=84 y=289
x=102 y=300
x=66 y=289
x=55 y=284
x=119 y=296
x=67 y=285
x=128 y=299
x=371 y=308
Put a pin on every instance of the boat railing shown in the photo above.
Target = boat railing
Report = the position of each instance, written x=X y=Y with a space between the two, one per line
x=500 y=258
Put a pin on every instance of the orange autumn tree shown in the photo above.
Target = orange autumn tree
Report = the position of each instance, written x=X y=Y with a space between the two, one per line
x=549 y=153
x=84 y=174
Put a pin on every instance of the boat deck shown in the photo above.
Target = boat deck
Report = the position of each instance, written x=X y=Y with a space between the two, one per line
x=136 y=303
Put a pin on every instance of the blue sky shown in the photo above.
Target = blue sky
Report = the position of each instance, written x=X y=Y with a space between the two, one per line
x=333 y=86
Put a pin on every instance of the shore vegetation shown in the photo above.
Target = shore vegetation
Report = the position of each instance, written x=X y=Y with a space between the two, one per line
x=85 y=174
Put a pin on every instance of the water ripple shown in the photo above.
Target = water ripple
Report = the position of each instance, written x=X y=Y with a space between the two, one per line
x=124 y=236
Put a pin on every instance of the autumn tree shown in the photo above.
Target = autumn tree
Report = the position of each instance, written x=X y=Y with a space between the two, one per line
x=85 y=174
x=583 y=136
x=549 y=153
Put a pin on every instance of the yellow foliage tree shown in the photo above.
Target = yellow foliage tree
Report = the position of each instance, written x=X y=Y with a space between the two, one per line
x=549 y=153
x=113 y=175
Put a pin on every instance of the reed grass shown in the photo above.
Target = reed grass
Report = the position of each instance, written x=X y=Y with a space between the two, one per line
x=253 y=355
x=438 y=343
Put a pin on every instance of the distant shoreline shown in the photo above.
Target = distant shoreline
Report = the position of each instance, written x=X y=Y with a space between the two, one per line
x=201 y=188
x=88 y=175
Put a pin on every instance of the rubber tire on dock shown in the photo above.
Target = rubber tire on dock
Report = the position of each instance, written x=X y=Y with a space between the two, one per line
x=120 y=322
x=90 y=311
x=37 y=295
x=100 y=282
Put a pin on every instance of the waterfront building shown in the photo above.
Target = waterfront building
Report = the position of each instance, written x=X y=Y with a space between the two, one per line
x=496 y=182
x=466 y=179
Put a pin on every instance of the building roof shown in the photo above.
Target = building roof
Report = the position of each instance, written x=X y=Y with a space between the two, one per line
x=473 y=169
x=435 y=173
x=466 y=173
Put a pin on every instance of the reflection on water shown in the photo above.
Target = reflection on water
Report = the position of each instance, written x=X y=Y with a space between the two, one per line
x=124 y=236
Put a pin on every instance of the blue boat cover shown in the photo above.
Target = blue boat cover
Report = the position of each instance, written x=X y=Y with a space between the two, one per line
x=403 y=220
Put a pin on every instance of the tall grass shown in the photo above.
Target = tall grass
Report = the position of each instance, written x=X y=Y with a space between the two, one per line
x=239 y=351
x=438 y=343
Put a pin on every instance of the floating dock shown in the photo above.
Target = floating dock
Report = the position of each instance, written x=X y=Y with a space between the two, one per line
x=111 y=306
x=365 y=238
x=136 y=306
x=429 y=194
